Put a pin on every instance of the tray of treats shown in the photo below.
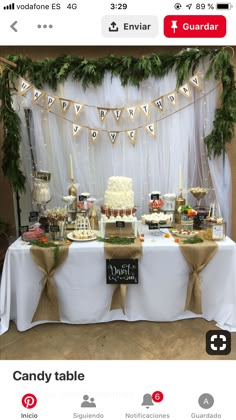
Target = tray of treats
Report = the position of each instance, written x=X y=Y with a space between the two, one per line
x=34 y=233
x=183 y=233
x=82 y=235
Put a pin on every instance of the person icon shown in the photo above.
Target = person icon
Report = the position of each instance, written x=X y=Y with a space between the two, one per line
x=85 y=402
x=92 y=403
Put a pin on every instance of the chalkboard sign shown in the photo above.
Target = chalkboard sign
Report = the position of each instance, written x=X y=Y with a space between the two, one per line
x=120 y=224
x=82 y=198
x=33 y=217
x=122 y=271
x=155 y=196
x=24 y=229
x=153 y=226
x=54 y=228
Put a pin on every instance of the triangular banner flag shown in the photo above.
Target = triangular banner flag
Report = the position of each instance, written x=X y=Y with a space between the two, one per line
x=132 y=136
x=94 y=135
x=77 y=108
x=50 y=101
x=159 y=103
x=151 y=129
x=131 y=111
x=76 y=129
x=185 y=90
x=195 y=80
x=102 y=113
x=64 y=104
x=117 y=113
x=145 y=108
x=36 y=94
x=172 y=98
x=113 y=136
x=24 y=86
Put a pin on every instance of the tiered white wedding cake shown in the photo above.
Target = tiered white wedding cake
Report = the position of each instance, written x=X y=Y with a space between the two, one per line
x=119 y=193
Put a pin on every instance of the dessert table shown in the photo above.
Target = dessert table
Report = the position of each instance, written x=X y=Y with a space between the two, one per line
x=84 y=296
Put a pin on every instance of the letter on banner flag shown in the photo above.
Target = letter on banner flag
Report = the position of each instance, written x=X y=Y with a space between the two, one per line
x=145 y=109
x=131 y=111
x=151 y=129
x=117 y=113
x=195 y=81
x=77 y=108
x=24 y=86
x=113 y=136
x=185 y=90
x=76 y=129
x=64 y=104
x=50 y=101
x=94 y=135
x=172 y=98
x=102 y=113
x=159 y=103
x=132 y=136
x=36 y=95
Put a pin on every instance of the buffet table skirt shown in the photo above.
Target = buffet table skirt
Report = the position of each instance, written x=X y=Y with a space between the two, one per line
x=84 y=297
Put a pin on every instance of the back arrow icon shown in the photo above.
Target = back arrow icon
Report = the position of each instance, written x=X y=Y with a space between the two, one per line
x=13 y=26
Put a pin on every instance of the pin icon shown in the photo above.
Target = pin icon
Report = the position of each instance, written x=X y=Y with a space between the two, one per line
x=29 y=401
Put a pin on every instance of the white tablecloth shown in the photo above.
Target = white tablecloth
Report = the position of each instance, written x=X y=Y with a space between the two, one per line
x=84 y=296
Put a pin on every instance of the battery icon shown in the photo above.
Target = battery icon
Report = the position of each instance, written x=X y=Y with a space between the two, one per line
x=224 y=6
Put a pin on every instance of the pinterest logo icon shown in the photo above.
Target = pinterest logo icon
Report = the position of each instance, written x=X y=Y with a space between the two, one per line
x=29 y=401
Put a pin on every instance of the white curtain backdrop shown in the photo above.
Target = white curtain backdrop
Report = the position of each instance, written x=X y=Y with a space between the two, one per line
x=153 y=163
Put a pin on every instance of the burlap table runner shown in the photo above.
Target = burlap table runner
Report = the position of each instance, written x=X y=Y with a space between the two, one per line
x=131 y=251
x=198 y=256
x=44 y=258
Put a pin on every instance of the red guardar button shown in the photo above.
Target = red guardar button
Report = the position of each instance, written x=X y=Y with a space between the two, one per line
x=203 y=26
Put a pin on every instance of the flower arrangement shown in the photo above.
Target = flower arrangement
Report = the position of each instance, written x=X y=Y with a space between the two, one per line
x=187 y=211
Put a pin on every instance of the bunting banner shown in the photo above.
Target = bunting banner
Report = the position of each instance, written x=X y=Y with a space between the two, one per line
x=117 y=114
x=102 y=113
x=159 y=103
x=185 y=90
x=24 y=86
x=77 y=108
x=151 y=129
x=64 y=105
x=131 y=111
x=94 y=135
x=145 y=108
x=50 y=101
x=76 y=129
x=195 y=80
x=112 y=136
x=36 y=94
x=132 y=136
x=172 y=98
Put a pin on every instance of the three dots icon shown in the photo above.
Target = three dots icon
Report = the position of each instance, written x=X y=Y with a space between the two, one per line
x=44 y=26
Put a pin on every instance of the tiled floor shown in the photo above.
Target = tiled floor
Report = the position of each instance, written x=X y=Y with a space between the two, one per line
x=115 y=340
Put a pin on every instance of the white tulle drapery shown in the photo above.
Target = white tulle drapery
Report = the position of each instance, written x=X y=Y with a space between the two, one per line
x=153 y=163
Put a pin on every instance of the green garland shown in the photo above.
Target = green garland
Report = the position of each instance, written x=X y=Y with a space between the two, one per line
x=131 y=71
x=116 y=240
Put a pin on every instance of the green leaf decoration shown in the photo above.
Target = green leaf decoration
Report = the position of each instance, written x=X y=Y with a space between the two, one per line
x=131 y=71
x=116 y=240
x=194 y=240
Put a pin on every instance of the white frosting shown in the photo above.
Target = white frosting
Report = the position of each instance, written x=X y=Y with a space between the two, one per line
x=119 y=193
x=157 y=217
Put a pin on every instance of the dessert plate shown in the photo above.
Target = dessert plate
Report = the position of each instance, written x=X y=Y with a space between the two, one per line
x=71 y=237
x=184 y=233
